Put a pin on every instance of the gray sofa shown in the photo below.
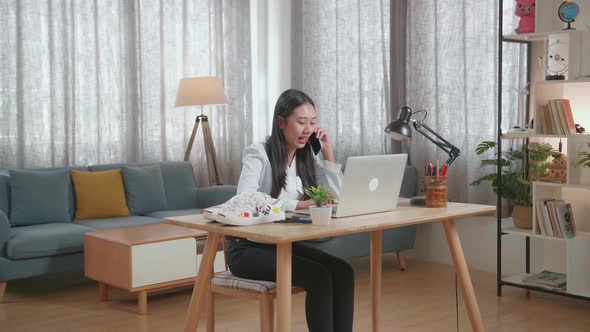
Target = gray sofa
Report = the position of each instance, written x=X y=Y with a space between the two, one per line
x=35 y=249
x=393 y=240
x=30 y=249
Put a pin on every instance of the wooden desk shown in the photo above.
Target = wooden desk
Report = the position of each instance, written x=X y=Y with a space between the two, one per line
x=285 y=234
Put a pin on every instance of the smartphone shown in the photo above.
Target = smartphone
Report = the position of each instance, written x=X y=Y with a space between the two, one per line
x=315 y=143
x=295 y=219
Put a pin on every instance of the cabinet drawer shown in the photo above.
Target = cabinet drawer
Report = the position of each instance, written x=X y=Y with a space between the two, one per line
x=218 y=264
x=158 y=262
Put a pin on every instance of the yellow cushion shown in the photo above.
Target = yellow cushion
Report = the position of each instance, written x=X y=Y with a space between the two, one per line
x=99 y=194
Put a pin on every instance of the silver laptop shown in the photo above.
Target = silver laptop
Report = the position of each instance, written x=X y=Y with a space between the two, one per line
x=371 y=184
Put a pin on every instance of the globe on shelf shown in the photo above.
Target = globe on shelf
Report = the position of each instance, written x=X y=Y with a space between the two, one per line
x=568 y=11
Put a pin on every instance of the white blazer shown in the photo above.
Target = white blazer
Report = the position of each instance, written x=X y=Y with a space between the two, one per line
x=256 y=174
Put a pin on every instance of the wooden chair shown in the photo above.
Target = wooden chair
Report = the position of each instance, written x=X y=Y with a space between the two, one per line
x=264 y=292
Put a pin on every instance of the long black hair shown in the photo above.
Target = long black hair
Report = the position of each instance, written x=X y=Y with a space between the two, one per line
x=276 y=146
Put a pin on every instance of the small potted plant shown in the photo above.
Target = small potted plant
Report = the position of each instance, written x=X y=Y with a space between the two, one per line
x=320 y=213
x=584 y=162
x=516 y=180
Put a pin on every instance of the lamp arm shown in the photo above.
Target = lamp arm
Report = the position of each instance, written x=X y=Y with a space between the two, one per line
x=442 y=143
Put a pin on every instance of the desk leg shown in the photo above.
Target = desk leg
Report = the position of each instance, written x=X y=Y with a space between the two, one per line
x=463 y=275
x=284 y=287
x=203 y=282
x=376 y=245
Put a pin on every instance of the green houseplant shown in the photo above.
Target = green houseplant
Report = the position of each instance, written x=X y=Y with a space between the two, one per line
x=584 y=158
x=320 y=214
x=517 y=182
x=584 y=162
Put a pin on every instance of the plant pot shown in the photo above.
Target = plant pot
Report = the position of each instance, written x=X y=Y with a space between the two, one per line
x=522 y=216
x=320 y=215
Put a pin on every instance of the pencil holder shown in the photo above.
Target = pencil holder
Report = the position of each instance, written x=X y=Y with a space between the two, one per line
x=436 y=191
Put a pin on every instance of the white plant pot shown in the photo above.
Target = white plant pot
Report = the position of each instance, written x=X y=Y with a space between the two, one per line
x=585 y=175
x=320 y=215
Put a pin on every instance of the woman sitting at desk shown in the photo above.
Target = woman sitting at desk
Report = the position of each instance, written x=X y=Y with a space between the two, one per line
x=282 y=167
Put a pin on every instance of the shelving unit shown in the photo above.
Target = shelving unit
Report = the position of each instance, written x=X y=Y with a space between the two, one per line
x=565 y=255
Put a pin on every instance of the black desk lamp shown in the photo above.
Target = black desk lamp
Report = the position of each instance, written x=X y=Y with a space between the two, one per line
x=400 y=130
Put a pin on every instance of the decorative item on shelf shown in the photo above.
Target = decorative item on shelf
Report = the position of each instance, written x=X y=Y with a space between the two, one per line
x=554 y=63
x=523 y=93
x=556 y=171
x=320 y=213
x=525 y=9
x=567 y=12
x=517 y=183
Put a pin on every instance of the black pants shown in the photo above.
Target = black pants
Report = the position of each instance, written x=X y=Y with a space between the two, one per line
x=327 y=280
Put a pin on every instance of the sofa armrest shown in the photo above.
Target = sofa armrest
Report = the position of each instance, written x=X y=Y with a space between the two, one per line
x=4 y=231
x=214 y=195
x=409 y=184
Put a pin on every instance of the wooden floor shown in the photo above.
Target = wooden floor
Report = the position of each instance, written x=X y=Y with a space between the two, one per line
x=420 y=299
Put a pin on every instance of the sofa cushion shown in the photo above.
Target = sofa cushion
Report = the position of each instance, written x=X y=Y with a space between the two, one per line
x=173 y=213
x=180 y=185
x=144 y=189
x=99 y=194
x=119 y=222
x=45 y=240
x=39 y=197
x=5 y=193
x=179 y=182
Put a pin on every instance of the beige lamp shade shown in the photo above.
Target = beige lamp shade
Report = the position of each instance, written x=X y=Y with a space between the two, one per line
x=194 y=91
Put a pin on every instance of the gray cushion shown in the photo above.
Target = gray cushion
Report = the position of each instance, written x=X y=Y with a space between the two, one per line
x=144 y=189
x=5 y=193
x=39 y=197
x=214 y=195
x=180 y=185
x=173 y=213
x=45 y=240
x=179 y=182
x=118 y=222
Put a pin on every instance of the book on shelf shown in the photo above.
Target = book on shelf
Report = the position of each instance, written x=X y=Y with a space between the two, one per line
x=556 y=118
x=547 y=279
x=555 y=218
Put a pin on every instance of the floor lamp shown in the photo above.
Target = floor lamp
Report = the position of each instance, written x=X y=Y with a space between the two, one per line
x=200 y=91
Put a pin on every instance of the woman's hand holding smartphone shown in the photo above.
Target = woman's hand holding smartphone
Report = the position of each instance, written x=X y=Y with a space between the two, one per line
x=320 y=135
x=315 y=143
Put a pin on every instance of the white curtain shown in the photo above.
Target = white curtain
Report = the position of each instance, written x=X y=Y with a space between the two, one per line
x=452 y=73
x=341 y=59
x=94 y=82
